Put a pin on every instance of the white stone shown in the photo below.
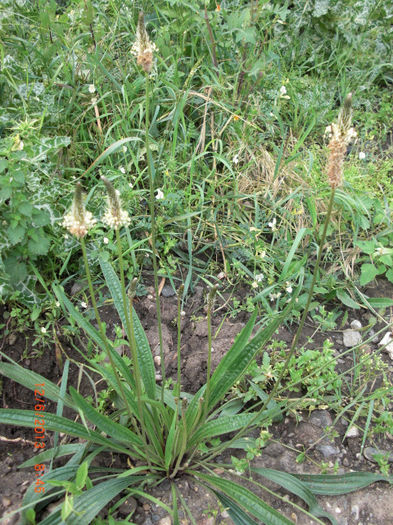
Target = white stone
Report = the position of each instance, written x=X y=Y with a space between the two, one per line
x=388 y=341
x=351 y=338
x=356 y=325
x=353 y=432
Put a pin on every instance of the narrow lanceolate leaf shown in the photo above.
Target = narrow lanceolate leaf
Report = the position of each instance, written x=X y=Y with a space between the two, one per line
x=238 y=516
x=236 y=361
x=26 y=418
x=297 y=487
x=58 y=452
x=225 y=424
x=170 y=442
x=145 y=357
x=105 y=423
x=246 y=499
x=29 y=379
x=85 y=325
x=335 y=485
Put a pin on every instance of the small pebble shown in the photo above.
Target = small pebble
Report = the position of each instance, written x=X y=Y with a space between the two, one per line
x=351 y=338
x=353 y=432
x=165 y=521
x=356 y=325
x=157 y=360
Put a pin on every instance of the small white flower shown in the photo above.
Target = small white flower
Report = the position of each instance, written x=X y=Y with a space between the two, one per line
x=259 y=277
x=57 y=304
x=43 y=330
x=122 y=169
x=84 y=305
x=124 y=149
x=362 y=155
x=235 y=159
x=94 y=101
x=272 y=224
x=274 y=296
x=288 y=287
x=283 y=90
x=92 y=88
x=105 y=240
x=254 y=284
x=159 y=195
x=262 y=255
x=130 y=185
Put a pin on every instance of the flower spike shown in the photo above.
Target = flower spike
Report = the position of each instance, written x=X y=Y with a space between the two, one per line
x=78 y=221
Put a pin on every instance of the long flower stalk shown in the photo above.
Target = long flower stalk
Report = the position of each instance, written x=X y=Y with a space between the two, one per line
x=153 y=230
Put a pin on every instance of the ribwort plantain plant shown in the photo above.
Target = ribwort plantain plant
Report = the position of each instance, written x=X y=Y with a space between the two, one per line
x=160 y=433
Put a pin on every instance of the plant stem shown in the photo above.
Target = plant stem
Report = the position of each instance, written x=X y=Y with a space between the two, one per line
x=102 y=330
x=153 y=232
x=210 y=303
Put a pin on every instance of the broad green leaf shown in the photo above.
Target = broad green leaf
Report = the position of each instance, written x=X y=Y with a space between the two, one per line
x=368 y=272
x=294 y=485
x=389 y=275
x=145 y=357
x=366 y=246
x=335 y=485
x=346 y=299
x=247 y=499
x=25 y=418
x=38 y=243
x=105 y=423
x=29 y=379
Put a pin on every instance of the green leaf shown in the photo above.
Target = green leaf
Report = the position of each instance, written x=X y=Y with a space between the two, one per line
x=299 y=236
x=238 y=516
x=170 y=442
x=85 y=325
x=29 y=379
x=81 y=475
x=58 y=452
x=389 y=275
x=105 y=423
x=335 y=485
x=235 y=362
x=246 y=499
x=145 y=357
x=368 y=273
x=15 y=233
x=25 y=208
x=38 y=243
x=111 y=149
x=366 y=246
x=380 y=302
x=91 y=502
x=345 y=298
x=40 y=217
x=226 y=363
x=225 y=424
x=297 y=487
x=25 y=418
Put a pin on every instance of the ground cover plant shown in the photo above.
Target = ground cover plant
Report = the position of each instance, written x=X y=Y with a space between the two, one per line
x=183 y=139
